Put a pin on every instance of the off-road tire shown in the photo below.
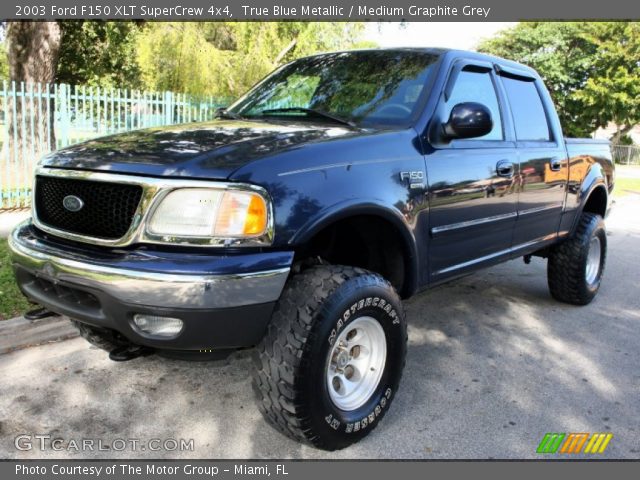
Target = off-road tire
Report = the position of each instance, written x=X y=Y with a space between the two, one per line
x=102 y=338
x=290 y=363
x=567 y=265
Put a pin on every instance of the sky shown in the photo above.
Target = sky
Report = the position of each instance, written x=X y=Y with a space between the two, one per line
x=462 y=35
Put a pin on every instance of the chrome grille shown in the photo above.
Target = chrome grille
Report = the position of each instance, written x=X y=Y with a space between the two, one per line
x=107 y=208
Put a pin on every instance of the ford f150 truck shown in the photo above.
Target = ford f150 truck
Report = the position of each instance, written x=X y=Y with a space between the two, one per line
x=297 y=220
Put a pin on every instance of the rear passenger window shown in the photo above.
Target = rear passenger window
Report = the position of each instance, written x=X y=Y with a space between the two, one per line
x=477 y=87
x=528 y=113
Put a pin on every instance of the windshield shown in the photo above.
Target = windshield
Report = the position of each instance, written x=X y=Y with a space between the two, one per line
x=366 y=88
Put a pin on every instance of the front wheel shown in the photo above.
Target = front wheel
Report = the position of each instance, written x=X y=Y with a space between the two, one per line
x=331 y=361
x=575 y=267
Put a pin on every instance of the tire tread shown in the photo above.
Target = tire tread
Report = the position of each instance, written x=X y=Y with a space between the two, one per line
x=565 y=267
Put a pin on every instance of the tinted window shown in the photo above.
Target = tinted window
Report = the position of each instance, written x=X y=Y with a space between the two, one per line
x=528 y=113
x=366 y=87
x=477 y=87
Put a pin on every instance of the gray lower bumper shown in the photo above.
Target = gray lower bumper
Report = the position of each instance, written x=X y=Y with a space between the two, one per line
x=166 y=290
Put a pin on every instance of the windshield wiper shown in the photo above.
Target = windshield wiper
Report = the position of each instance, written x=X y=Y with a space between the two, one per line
x=224 y=113
x=311 y=111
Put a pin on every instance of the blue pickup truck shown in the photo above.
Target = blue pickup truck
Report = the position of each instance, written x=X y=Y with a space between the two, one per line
x=298 y=219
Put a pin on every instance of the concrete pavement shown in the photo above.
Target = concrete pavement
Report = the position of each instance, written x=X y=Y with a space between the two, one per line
x=18 y=333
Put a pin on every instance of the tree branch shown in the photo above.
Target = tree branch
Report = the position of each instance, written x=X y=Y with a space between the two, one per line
x=285 y=50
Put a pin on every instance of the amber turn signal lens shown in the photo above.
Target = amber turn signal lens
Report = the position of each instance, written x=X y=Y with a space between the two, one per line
x=256 y=222
x=241 y=214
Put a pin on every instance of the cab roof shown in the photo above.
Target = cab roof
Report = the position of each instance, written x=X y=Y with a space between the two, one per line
x=449 y=53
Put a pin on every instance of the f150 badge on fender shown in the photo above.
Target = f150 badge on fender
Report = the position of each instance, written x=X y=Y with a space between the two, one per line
x=415 y=178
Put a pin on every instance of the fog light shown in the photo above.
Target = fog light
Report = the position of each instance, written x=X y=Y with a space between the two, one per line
x=158 y=326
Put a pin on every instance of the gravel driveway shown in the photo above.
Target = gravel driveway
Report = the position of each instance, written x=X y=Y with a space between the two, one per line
x=494 y=363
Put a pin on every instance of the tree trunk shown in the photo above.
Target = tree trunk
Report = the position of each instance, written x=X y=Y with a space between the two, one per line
x=33 y=49
x=621 y=131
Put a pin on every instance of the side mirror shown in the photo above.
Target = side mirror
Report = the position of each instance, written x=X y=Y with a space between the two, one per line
x=468 y=120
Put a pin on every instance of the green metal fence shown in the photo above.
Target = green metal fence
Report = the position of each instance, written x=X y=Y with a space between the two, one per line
x=37 y=118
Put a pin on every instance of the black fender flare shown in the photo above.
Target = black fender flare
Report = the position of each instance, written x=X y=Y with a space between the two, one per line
x=593 y=180
x=347 y=209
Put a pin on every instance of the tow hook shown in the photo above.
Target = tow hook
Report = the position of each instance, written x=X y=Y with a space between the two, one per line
x=39 y=313
x=129 y=352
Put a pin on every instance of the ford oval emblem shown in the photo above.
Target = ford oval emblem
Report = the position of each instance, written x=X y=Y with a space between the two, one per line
x=72 y=203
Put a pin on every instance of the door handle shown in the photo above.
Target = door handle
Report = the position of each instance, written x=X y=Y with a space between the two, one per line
x=504 y=168
x=555 y=164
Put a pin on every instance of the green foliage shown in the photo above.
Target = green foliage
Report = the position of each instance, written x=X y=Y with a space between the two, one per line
x=612 y=91
x=625 y=140
x=200 y=58
x=590 y=68
x=99 y=53
x=4 y=62
x=626 y=186
x=12 y=302
x=178 y=57
x=227 y=58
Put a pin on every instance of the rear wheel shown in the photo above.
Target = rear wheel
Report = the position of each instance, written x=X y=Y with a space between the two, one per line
x=331 y=361
x=575 y=267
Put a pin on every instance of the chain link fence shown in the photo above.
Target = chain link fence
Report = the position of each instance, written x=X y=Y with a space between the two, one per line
x=626 y=154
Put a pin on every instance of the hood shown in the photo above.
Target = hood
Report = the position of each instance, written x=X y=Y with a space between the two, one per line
x=200 y=150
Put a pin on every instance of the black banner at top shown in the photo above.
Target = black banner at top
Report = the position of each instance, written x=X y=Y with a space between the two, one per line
x=321 y=10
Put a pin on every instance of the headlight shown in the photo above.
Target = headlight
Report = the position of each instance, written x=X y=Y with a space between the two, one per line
x=207 y=212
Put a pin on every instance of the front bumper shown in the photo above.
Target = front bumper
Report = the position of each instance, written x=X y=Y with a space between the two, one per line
x=225 y=301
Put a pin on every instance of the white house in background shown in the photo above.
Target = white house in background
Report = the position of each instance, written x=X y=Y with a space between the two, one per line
x=606 y=133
